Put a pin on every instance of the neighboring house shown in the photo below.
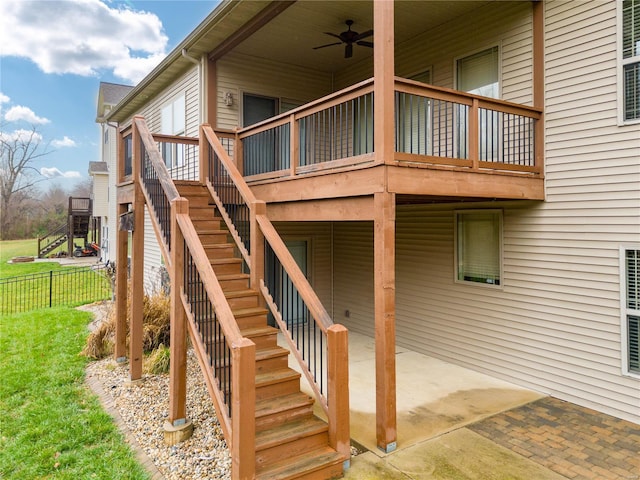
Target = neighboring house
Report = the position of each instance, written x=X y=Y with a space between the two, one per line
x=104 y=179
x=468 y=188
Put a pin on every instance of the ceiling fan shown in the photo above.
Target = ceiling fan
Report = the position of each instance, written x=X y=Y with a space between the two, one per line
x=349 y=37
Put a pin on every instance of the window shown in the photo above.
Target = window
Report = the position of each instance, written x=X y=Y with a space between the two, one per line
x=480 y=74
x=631 y=60
x=479 y=246
x=173 y=123
x=630 y=283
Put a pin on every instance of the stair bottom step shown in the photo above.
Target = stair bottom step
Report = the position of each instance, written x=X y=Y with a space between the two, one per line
x=321 y=464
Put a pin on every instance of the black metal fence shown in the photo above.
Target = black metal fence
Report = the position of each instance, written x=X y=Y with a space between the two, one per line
x=67 y=287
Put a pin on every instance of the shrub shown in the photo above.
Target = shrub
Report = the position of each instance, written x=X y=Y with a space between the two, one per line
x=158 y=361
x=155 y=331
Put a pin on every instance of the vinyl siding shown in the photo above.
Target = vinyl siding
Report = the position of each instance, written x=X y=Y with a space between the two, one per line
x=506 y=24
x=353 y=269
x=240 y=74
x=319 y=235
x=100 y=195
x=153 y=264
x=554 y=325
x=187 y=84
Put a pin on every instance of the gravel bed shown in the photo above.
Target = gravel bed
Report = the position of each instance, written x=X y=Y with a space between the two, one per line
x=144 y=407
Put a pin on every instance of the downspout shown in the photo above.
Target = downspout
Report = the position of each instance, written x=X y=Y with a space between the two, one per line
x=197 y=62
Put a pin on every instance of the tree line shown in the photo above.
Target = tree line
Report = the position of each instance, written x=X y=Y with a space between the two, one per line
x=26 y=209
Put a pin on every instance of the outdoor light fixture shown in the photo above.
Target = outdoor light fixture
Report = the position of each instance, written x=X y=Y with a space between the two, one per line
x=228 y=99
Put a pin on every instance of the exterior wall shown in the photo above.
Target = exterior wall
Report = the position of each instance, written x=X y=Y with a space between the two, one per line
x=100 y=195
x=320 y=271
x=554 y=325
x=187 y=83
x=353 y=283
x=506 y=24
x=240 y=74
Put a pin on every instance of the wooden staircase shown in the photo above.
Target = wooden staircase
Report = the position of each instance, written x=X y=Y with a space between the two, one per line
x=291 y=442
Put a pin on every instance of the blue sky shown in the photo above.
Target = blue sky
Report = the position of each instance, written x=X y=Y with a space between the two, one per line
x=53 y=55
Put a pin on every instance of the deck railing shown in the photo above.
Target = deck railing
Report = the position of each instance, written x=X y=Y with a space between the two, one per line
x=320 y=342
x=180 y=155
x=226 y=358
x=434 y=126
x=334 y=131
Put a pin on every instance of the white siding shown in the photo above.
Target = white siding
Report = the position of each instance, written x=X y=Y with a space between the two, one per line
x=554 y=325
x=187 y=84
x=240 y=74
x=153 y=264
x=353 y=283
x=100 y=195
x=506 y=24
x=319 y=235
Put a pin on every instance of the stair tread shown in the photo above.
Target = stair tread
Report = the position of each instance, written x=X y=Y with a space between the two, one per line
x=296 y=467
x=232 y=276
x=290 y=432
x=248 y=311
x=269 y=406
x=258 y=331
x=223 y=261
x=273 y=352
x=217 y=245
x=241 y=293
x=276 y=376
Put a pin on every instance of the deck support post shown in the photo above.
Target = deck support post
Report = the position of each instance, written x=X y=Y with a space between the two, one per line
x=385 y=318
x=538 y=79
x=338 y=390
x=257 y=244
x=204 y=155
x=177 y=428
x=383 y=81
x=122 y=274
x=137 y=264
x=243 y=399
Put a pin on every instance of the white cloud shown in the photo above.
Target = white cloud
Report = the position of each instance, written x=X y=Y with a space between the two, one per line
x=20 y=112
x=21 y=135
x=65 y=142
x=53 y=172
x=82 y=37
x=3 y=98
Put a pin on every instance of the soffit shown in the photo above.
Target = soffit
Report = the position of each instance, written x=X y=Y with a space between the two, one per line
x=290 y=37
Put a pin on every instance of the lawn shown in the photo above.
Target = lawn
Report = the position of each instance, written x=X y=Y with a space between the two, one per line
x=42 y=284
x=53 y=427
x=18 y=248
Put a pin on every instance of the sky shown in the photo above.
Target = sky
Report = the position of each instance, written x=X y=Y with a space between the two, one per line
x=53 y=56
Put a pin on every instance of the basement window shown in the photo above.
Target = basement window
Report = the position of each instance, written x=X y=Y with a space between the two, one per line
x=478 y=239
x=630 y=296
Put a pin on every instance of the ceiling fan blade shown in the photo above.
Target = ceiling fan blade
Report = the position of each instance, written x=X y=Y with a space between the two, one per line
x=327 y=45
x=348 y=50
x=333 y=35
x=362 y=35
x=365 y=44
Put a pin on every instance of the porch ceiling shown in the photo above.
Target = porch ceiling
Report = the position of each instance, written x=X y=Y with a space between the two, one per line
x=291 y=36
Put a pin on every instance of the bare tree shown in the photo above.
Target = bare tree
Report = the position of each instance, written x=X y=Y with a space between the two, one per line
x=18 y=150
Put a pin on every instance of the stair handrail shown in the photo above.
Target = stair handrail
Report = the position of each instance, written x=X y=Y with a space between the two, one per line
x=60 y=231
x=239 y=429
x=336 y=403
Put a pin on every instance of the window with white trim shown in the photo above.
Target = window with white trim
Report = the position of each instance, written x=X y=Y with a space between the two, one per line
x=173 y=123
x=478 y=238
x=631 y=309
x=630 y=60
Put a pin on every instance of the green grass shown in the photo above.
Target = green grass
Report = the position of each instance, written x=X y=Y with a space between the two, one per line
x=22 y=248
x=52 y=427
x=71 y=286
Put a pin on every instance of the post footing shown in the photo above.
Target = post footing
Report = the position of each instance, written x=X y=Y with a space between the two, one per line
x=174 y=434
